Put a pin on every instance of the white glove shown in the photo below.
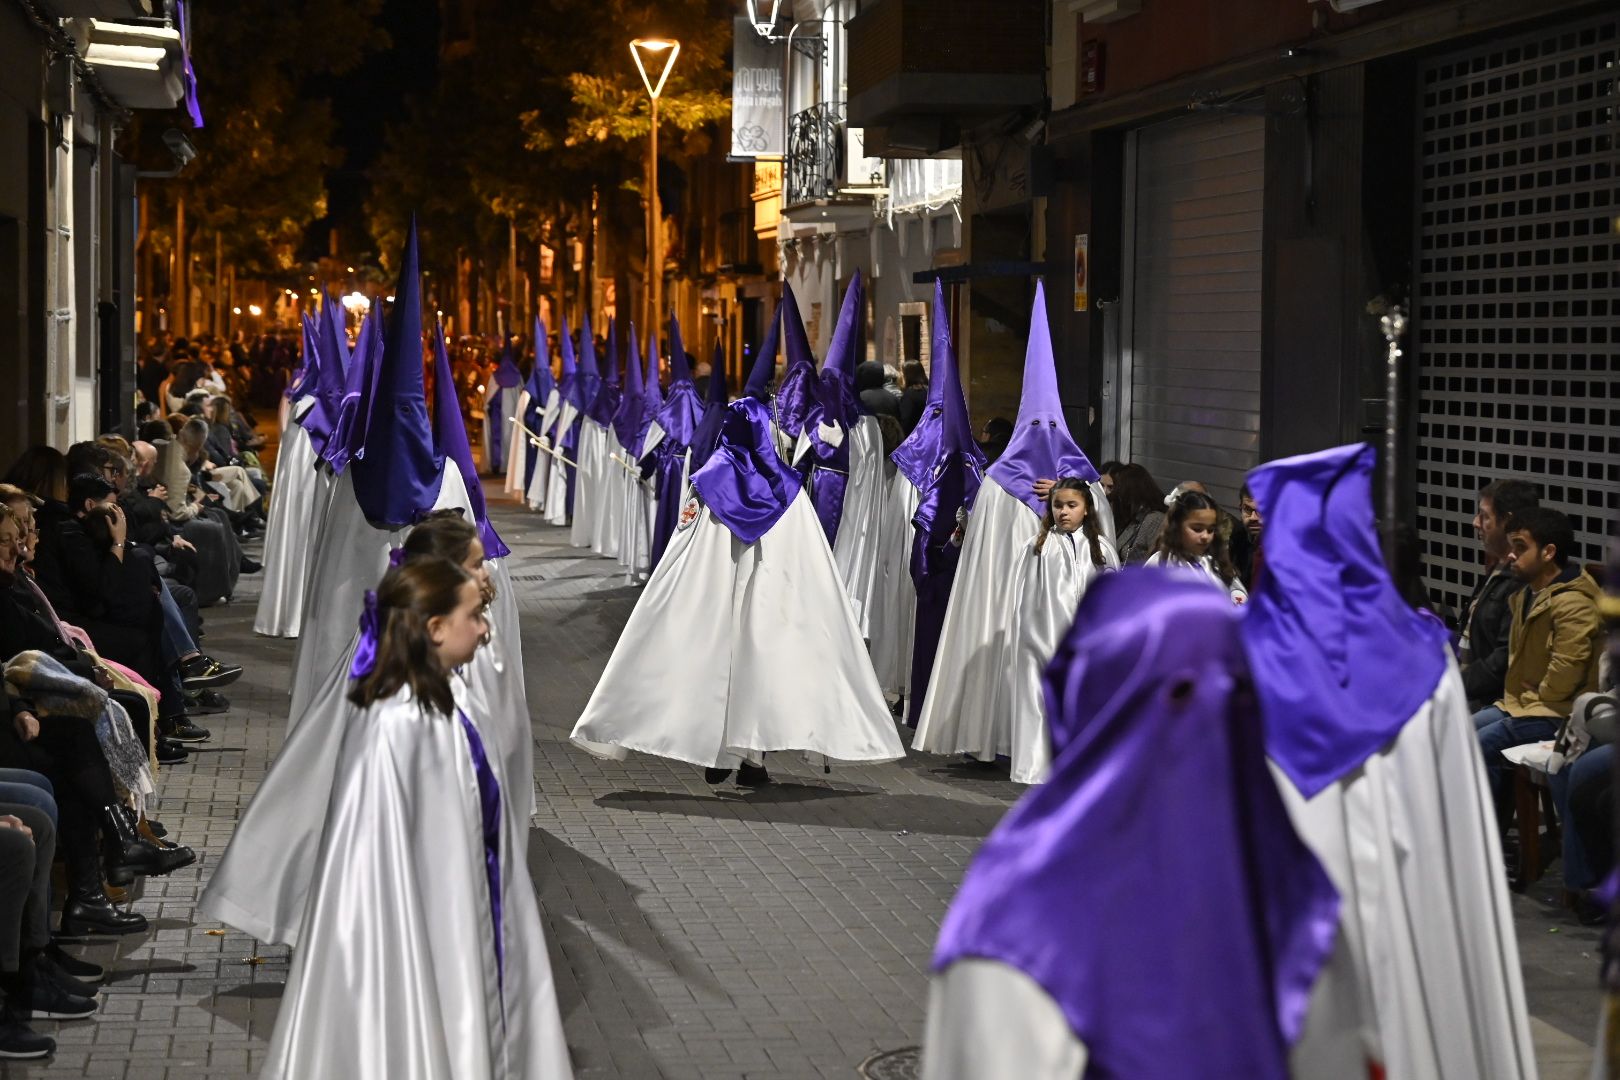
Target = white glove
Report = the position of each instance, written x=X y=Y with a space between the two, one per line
x=831 y=434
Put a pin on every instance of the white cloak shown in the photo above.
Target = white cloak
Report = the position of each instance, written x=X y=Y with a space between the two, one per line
x=636 y=516
x=862 y=528
x=894 y=609
x=588 y=485
x=508 y=397
x=556 y=502
x=1204 y=570
x=396 y=974
x=739 y=649
x=607 y=504
x=539 y=485
x=299 y=485
x=1049 y=586
x=517 y=448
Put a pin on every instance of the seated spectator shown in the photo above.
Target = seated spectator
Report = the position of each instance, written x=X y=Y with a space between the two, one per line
x=1138 y=504
x=1482 y=651
x=1583 y=792
x=1553 y=643
x=230 y=482
x=1105 y=476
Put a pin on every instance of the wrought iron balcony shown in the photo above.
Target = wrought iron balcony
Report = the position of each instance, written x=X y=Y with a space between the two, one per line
x=815 y=153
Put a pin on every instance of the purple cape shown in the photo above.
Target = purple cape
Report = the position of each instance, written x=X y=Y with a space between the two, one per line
x=745 y=483
x=396 y=478
x=320 y=419
x=682 y=406
x=450 y=443
x=539 y=386
x=606 y=404
x=798 y=389
x=1041 y=447
x=1340 y=661
x=652 y=397
x=627 y=417
x=507 y=373
x=354 y=407
x=589 y=381
x=835 y=406
x=309 y=363
x=1154 y=886
x=678 y=416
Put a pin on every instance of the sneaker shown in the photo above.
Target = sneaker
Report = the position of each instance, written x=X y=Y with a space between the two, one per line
x=170 y=752
x=48 y=972
x=72 y=965
x=51 y=1002
x=204 y=671
x=18 y=1041
x=207 y=703
x=183 y=730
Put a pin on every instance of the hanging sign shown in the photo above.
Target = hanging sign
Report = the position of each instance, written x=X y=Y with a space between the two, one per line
x=756 y=93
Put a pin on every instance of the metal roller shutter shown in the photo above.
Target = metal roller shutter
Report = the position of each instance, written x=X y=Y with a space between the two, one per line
x=1193 y=308
x=1517 y=288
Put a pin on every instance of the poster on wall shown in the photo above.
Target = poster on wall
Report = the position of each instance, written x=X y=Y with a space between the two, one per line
x=1082 y=295
x=756 y=93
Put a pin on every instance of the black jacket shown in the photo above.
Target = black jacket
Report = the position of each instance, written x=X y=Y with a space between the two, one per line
x=1487 y=619
x=913 y=403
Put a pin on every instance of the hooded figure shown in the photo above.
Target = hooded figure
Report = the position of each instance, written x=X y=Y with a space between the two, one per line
x=939 y=458
x=966 y=708
x=542 y=397
x=592 y=449
x=670 y=440
x=292 y=513
x=632 y=493
x=500 y=405
x=353 y=408
x=1143 y=913
x=563 y=439
x=796 y=394
x=393 y=479
x=714 y=409
x=605 y=533
x=1367 y=723
x=747 y=549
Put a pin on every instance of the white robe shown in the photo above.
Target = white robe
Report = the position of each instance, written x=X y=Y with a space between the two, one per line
x=1204 y=570
x=396 y=974
x=556 y=501
x=350 y=557
x=508 y=396
x=288 y=534
x=608 y=504
x=539 y=485
x=735 y=650
x=862 y=528
x=517 y=449
x=894 y=611
x=588 y=485
x=1050 y=584
x=636 y=516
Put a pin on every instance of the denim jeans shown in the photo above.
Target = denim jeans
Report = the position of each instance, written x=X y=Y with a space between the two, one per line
x=1595 y=762
x=30 y=789
x=1497 y=731
x=177 y=640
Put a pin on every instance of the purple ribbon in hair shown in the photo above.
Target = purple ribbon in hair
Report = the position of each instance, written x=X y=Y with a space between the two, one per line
x=365 y=650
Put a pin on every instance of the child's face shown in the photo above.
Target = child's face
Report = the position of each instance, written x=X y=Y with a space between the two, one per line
x=474 y=565
x=456 y=636
x=1198 y=532
x=1068 y=510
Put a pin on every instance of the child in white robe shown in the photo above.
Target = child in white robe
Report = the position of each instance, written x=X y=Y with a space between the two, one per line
x=1055 y=570
x=1191 y=543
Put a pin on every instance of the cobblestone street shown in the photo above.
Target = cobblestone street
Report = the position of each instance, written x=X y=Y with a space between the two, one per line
x=695 y=934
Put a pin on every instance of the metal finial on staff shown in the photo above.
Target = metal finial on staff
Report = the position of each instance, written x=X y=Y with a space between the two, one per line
x=1393 y=324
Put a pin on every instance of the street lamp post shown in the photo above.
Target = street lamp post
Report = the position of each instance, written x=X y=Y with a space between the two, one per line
x=667 y=51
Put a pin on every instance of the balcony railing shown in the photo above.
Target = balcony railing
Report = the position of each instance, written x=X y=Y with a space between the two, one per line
x=815 y=153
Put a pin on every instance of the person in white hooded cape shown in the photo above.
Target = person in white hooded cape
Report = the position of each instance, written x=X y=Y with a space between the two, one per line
x=748 y=586
x=412 y=959
x=592 y=450
x=561 y=435
x=538 y=483
x=607 y=502
x=966 y=708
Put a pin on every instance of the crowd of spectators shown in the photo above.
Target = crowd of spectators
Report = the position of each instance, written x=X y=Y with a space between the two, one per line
x=109 y=554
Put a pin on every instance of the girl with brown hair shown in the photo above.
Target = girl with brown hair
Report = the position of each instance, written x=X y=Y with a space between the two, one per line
x=1191 y=541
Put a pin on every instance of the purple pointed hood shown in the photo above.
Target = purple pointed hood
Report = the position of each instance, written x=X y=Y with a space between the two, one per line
x=1187 y=859
x=652 y=397
x=450 y=444
x=606 y=405
x=590 y=376
x=1041 y=447
x=1341 y=662
x=714 y=411
x=507 y=374
x=320 y=419
x=758 y=385
x=745 y=483
x=835 y=398
x=627 y=417
x=682 y=407
x=568 y=381
x=304 y=379
x=541 y=382
x=354 y=407
x=917 y=455
x=395 y=476
x=797 y=392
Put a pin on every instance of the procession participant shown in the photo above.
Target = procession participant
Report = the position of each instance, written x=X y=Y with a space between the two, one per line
x=1190 y=542
x=563 y=479
x=707 y=434
x=447 y=973
x=592 y=443
x=964 y=710
x=544 y=402
x=670 y=439
x=641 y=509
x=629 y=519
x=519 y=453
x=1158 y=845
x=747 y=550
x=287 y=531
x=1053 y=574
x=501 y=396
x=796 y=390
x=607 y=501
x=1367 y=724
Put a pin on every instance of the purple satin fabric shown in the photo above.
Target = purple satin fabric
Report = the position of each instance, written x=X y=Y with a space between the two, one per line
x=917 y=456
x=681 y=413
x=349 y=428
x=746 y=484
x=953 y=487
x=365 y=650
x=396 y=477
x=670 y=487
x=450 y=443
x=1154 y=886
x=507 y=373
x=320 y=419
x=309 y=363
x=489 y=808
x=794 y=398
x=1340 y=661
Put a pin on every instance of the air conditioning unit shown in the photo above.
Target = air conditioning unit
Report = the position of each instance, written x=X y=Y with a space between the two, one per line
x=1104 y=11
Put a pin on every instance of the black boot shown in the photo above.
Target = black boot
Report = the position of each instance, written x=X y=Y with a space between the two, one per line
x=127 y=853
x=88 y=911
x=752 y=775
x=716 y=776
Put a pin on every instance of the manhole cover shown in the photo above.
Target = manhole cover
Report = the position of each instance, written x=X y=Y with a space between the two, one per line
x=904 y=1064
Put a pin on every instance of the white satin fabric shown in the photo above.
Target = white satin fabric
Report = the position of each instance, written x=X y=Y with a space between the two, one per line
x=517 y=449
x=588 y=486
x=508 y=397
x=989 y=1021
x=1428 y=958
x=396 y=972
x=539 y=485
x=1049 y=585
x=894 y=612
x=556 y=503
x=350 y=556
x=739 y=649
x=607 y=502
x=1203 y=570
x=966 y=708
x=863 y=529
x=288 y=533
x=638 y=503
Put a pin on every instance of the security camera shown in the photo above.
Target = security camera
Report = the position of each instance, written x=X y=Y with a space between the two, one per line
x=179 y=146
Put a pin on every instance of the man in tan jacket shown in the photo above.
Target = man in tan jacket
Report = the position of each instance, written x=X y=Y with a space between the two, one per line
x=1553 y=645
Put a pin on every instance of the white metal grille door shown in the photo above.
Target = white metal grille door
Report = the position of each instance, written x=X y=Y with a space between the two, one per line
x=1517 y=288
x=1194 y=302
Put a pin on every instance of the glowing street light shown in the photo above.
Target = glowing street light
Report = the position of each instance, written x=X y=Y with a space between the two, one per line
x=765 y=26
x=236 y=311
x=654 y=49
x=356 y=304
x=255 y=310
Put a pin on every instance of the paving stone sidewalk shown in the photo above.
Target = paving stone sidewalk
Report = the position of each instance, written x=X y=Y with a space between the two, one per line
x=695 y=934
